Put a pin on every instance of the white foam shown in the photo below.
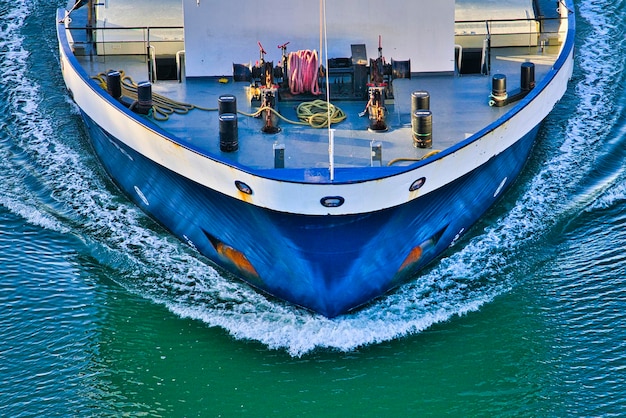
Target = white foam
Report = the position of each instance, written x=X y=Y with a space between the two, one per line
x=614 y=195
x=154 y=264
x=157 y=266
x=598 y=127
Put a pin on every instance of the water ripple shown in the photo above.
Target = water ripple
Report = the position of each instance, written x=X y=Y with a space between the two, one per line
x=52 y=181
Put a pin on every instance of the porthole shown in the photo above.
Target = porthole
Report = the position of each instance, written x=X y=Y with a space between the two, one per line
x=417 y=184
x=243 y=187
x=332 y=201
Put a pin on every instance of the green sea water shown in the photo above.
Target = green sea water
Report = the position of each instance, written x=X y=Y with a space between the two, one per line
x=102 y=313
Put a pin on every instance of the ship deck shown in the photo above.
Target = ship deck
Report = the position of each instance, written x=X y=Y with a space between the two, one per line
x=459 y=104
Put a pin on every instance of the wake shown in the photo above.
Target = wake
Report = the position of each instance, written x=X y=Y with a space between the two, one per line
x=51 y=182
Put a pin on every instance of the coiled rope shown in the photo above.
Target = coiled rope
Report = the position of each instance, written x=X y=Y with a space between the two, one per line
x=302 y=69
x=318 y=113
x=162 y=107
x=314 y=113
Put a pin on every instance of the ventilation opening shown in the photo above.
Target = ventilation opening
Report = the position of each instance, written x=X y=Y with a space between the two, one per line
x=470 y=61
x=166 y=68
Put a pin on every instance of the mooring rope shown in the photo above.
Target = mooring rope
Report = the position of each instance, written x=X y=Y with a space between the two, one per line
x=423 y=157
x=162 y=107
x=69 y=12
x=302 y=68
x=314 y=113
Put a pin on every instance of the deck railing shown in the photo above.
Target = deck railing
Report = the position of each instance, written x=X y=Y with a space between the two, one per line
x=474 y=41
x=155 y=44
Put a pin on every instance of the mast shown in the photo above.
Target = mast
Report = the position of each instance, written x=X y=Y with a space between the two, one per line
x=90 y=14
x=331 y=132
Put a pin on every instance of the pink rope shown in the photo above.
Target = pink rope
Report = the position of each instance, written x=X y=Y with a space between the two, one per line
x=302 y=72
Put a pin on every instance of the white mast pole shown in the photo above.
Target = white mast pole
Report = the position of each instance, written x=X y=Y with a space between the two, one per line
x=331 y=132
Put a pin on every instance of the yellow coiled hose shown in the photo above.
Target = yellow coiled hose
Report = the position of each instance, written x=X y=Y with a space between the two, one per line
x=318 y=112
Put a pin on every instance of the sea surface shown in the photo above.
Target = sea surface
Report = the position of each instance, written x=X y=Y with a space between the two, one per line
x=102 y=313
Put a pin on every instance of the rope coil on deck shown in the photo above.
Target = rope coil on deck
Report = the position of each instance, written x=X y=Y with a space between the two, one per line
x=162 y=107
x=302 y=68
x=315 y=113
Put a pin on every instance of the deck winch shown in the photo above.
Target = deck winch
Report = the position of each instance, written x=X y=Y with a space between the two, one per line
x=300 y=76
x=269 y=97
x=376 y=109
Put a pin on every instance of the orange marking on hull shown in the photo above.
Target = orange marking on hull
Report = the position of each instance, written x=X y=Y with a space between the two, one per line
x=413 y=257
x=237 y=258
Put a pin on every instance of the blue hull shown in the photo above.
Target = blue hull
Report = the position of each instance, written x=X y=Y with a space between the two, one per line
x=330 y=264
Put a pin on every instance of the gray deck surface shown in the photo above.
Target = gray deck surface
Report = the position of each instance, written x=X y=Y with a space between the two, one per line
x=459 y=104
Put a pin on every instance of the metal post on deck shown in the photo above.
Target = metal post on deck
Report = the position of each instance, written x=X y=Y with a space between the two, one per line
x=376 y=159
x=91 y=21
x=279 y=155
x=90 y=6
x=331 y=153
x=485 y=65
